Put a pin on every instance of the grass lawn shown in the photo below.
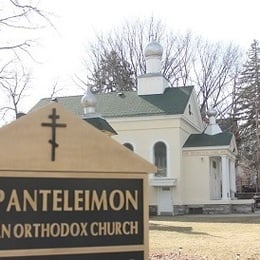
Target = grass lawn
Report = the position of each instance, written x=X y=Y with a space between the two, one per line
x=215 y=237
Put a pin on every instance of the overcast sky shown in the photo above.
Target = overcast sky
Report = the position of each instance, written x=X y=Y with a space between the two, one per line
x=77 y=22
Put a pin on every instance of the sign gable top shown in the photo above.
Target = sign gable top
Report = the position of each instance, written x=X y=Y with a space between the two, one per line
x=53 y=139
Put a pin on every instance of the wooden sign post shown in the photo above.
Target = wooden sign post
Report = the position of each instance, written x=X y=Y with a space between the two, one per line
x=70 y=192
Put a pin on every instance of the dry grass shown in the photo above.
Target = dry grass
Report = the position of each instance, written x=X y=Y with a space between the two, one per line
x=211 y=237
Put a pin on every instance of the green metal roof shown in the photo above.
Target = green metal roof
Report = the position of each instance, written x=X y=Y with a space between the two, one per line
x=200 y=140
x=128 y=104
x=101 y=124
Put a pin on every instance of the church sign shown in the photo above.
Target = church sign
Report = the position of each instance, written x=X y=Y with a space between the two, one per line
x=48 y=211
x=67 y=191
x=43 y=213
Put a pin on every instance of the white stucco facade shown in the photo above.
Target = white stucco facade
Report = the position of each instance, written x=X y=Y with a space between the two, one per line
x=196 y=165
x=195 y=176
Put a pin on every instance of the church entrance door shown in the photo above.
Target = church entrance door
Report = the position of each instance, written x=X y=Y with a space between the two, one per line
x=165 y=205
x=215 y=179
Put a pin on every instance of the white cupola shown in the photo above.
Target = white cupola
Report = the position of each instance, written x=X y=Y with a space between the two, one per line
x=89 y=102
x=212 y=128
x=153 y=56
x=152 y=82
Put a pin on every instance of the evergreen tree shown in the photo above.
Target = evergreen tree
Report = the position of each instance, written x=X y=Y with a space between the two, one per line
x=248 y=108
x=113 y=75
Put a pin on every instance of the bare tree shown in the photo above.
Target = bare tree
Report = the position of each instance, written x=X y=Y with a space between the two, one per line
x=186 y=53
x=129 y=43
x=187 y=60
x=13 y=84
x=215 y=68
x=55 y=90
x=17 y=19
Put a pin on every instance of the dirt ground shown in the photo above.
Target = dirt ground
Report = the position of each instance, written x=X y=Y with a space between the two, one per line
x=205 y=237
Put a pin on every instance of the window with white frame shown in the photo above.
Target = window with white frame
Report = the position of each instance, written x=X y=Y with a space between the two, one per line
x=160 y=159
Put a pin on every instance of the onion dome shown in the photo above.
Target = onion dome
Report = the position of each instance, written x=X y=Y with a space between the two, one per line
x=153 y=49
x=89 y=102
x=212 y=112
x=213 y=127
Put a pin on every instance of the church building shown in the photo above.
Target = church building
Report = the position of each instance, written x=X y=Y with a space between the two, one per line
x=196 y=170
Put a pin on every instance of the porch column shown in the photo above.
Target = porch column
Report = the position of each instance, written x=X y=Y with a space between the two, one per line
x=233 y=188
x=225 y=177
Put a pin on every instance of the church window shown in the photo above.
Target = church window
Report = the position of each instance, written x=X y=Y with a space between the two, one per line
x=129 y=146
x=214 y=164
x=160 y=159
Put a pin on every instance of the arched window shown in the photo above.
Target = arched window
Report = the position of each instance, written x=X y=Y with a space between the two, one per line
x=160 y=159
x=129 y=146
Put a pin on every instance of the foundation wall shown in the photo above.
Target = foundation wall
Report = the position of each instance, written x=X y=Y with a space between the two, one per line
x=207 y=209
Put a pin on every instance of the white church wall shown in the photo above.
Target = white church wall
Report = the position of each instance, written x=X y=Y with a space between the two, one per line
x=144 y=140
x=153 y=194
x=143 y=134
x=196 y=180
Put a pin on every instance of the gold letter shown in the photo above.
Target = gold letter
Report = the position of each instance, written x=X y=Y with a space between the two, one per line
x=28 y=199
x=78 y=199
x=93 y=229
x=121 y=200
x=134 y=227
x=5 y=230
x=99 y=202
x=56 y=200
x=14 y=202
x=18 y=231
x=27 y=230
x=86 y=204
x=133 y=200
x=66 y=206
x=45 y=194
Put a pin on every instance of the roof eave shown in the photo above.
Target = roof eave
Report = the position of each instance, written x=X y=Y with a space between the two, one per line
x=217 y=147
